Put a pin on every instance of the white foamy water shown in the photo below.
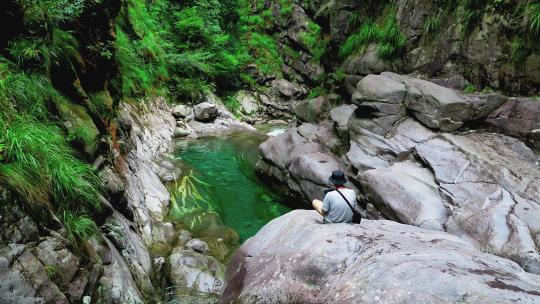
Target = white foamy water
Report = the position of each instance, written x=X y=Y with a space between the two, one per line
x=276 y=132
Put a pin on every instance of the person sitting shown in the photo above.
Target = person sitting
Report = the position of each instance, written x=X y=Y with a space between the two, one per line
x=334 y=207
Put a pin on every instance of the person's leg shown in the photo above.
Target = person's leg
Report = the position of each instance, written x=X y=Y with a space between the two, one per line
x=317 y=205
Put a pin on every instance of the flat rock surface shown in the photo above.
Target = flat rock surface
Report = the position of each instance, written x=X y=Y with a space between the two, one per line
x=296 y=259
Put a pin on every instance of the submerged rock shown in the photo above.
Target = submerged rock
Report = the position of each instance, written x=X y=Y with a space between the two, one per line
x=296 y=259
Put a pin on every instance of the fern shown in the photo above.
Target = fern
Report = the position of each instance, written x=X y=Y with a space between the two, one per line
x=532 y=17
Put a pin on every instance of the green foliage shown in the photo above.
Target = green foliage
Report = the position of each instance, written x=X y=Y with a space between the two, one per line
x=314 y=41
x=368 y=33
x=40 y=53
x=388 y=37
x=233 y=104
x=518 y=52
x=81 y=134
x=79 y=226
x=38 y=164
x=46 y=14
x=470 y=88
x=392 y=42
x=52 y=271
x=286 y=7
x=431 y=25
x=141 y=58
x=532 y=18
x=22 y=92
x=316 y=92
x=266 y=53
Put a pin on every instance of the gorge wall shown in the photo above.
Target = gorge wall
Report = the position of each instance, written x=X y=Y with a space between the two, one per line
x=86 y=91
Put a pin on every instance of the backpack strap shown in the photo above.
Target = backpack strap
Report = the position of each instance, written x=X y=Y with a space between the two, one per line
x=350 y=206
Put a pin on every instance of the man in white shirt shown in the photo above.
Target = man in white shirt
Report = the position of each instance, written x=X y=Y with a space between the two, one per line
x=334 y=207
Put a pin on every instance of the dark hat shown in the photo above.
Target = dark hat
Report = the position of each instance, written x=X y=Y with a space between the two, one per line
x=338 y=178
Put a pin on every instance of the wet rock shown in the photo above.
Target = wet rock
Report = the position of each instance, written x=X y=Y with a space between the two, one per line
x=374 y=262
x=163 y=234
x=385 y=94
x=205 y=112
x=340 y=115
x=132 y=249
x=455 y=82
x=117 y=285
x=486 y=180
x=112 y=181
x=191 y=271
x=367 y=63
x=184 y=236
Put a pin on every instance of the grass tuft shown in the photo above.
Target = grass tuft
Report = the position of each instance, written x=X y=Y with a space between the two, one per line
x=79 y=226
x=532 y=17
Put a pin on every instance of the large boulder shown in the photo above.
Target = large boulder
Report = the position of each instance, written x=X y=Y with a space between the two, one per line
x=406 y=192
x=297 y=259
x=383 y=93
x=288 y=89
x=435 y=106
x=190 y=271
x=340 y=116
x=205 y=112
x=519 y=117
x=491 y=185
x=312 y=110
x=249 y=104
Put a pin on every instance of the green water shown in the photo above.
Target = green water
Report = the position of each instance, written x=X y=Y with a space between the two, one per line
x=224 y=177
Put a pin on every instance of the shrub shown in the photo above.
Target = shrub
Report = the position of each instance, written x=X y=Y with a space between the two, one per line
x=233 y=104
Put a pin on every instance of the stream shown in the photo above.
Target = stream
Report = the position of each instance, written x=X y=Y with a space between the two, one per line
x=222 y=171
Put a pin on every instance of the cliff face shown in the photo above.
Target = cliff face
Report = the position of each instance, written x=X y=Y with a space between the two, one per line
x=489 y=45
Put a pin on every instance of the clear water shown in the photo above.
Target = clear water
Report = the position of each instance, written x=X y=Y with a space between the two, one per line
x=224 y=182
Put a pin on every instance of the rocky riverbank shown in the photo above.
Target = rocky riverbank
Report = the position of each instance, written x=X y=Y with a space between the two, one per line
x=297 y=259
x=419 y=154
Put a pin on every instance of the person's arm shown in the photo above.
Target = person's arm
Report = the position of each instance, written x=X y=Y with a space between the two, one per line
x=325 y=205
x=317 y=205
